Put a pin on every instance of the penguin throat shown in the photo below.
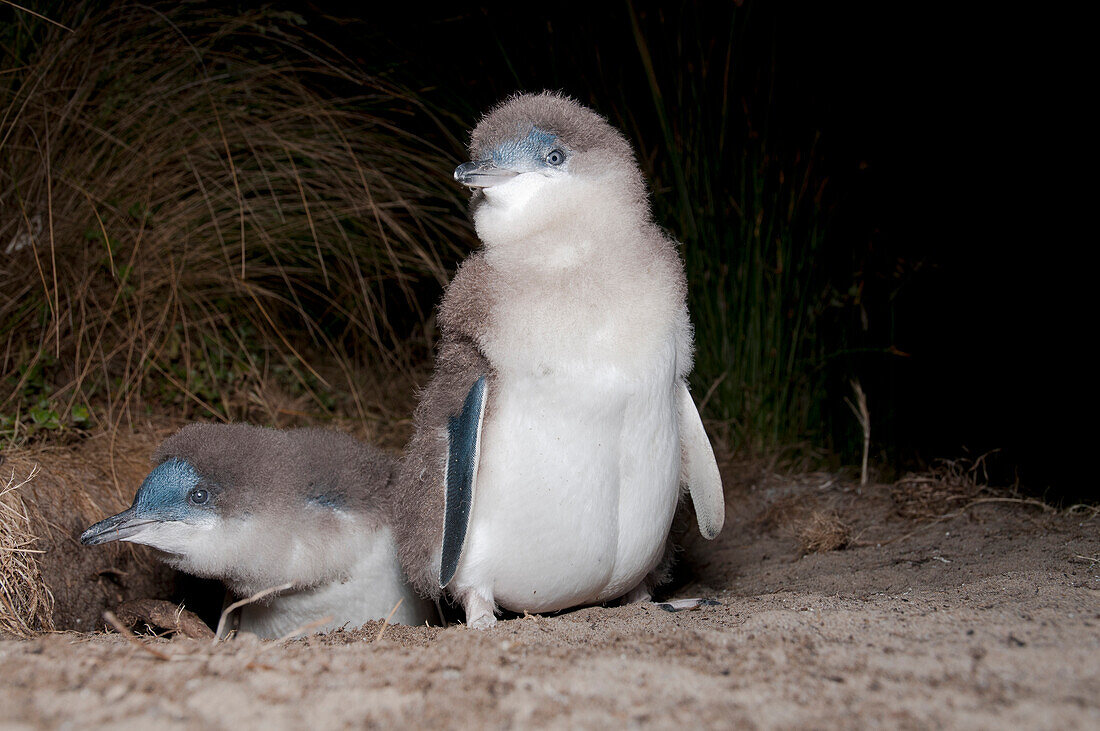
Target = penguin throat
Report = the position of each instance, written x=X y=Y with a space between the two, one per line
x=546 y=251
x=560 y=223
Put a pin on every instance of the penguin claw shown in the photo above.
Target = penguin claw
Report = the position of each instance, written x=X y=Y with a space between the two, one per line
x=680 y=605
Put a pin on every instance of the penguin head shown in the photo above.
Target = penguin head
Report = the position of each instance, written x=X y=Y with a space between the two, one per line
x=547 y=171
x=255 y=507
x=173 y=508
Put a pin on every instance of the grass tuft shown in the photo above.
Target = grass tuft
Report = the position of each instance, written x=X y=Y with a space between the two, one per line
x=752 y=206
x=26 y=604
x=823 y=531
x=201 y=209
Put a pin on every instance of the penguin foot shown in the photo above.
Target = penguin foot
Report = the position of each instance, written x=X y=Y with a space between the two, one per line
x=681 y=605
x=482 y=621
x=639 y=593
x=480 y=612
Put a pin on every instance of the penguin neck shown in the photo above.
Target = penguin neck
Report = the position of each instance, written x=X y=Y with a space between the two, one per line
x=576 y=245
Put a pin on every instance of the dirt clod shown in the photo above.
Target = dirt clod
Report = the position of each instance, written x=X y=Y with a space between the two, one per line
x=160 y=616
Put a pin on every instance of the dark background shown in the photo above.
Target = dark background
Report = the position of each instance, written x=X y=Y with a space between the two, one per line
x=933 y=124
x=944 y=132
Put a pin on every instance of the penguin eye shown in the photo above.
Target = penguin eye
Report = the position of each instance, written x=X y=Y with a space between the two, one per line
x=199 y=496
x=556 y=157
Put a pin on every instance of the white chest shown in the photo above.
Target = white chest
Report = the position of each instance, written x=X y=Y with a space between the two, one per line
x=370 y=591
x=578 y=476
x=581 y=325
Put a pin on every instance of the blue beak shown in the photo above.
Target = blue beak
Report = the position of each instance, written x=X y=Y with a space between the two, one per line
x=482 y=174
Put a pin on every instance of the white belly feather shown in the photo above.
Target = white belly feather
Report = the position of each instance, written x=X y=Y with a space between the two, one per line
x=579 y=470
x=372 y=589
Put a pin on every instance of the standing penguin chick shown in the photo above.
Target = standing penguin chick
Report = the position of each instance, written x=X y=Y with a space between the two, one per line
x=258 y=508
x=557 y=428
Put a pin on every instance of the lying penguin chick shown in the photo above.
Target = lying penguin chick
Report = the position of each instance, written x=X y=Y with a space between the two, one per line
x=258 y=508
x=553 y=438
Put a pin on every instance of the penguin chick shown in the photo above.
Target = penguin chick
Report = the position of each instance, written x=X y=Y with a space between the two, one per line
x=557 y=429
x=258 y=508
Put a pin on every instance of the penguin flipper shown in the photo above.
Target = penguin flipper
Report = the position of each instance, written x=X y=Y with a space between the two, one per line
x=463 y=451
x=699 y=469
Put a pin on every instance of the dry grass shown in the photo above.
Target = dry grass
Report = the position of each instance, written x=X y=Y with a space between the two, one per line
x=944 y=488
x=822 y=531
x=195 y=207
x=26 y=604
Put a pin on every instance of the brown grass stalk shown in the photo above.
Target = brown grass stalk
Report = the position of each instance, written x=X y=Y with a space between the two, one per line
x=26 y=604
x=216 y=197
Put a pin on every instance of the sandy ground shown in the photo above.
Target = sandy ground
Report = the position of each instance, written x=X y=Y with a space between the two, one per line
x=989 y=618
